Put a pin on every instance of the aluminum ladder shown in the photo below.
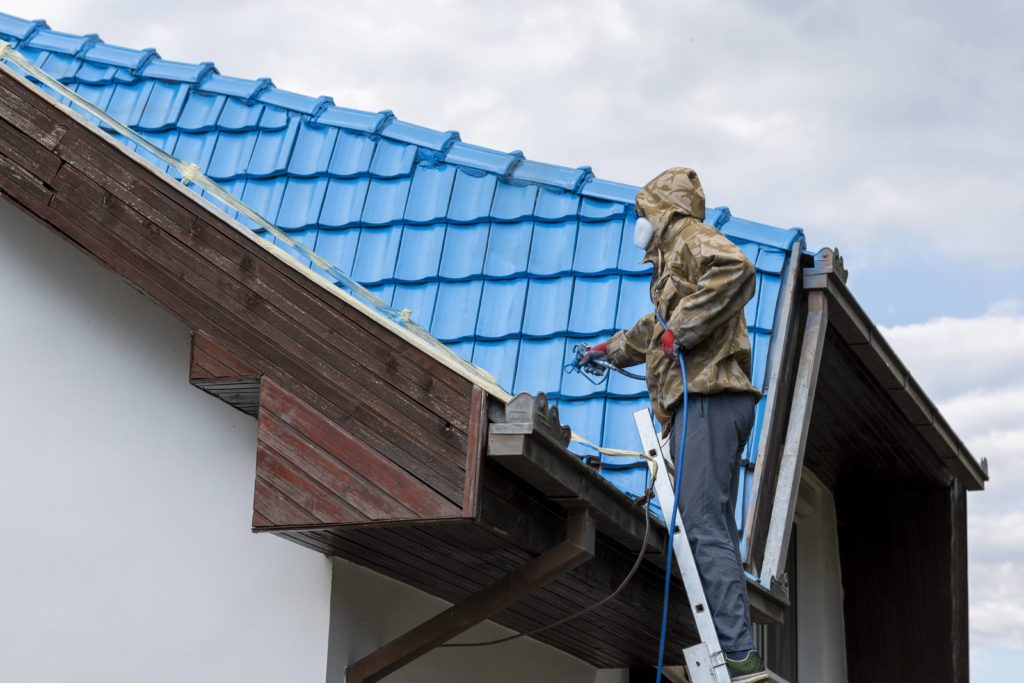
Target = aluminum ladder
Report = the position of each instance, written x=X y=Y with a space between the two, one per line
x=705 y=661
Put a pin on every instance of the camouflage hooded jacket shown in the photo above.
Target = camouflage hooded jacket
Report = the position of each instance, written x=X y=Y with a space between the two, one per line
x=700 y=284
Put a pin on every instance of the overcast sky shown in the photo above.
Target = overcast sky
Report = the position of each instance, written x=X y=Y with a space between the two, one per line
x=891 y=130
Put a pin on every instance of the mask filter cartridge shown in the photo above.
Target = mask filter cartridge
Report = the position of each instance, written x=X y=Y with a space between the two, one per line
x=642 y=233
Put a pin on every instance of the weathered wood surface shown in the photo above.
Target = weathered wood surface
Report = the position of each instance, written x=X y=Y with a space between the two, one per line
x=312 y=472
x=219 y=372
x=277 y=321
x=904 y=560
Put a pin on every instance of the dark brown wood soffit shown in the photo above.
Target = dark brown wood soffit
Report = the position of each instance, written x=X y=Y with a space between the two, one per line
x=870 y=412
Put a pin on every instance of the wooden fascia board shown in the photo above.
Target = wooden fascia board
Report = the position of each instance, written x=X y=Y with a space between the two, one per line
x=856 y=329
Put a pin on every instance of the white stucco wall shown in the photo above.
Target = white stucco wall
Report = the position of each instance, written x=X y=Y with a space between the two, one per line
x=820 y=632
x=126 y=496
x=369 y=610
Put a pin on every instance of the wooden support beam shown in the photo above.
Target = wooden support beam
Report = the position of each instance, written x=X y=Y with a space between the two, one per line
x=792 y=463
x=577 y=548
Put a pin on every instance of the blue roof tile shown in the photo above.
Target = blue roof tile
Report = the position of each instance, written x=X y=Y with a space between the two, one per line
x=284 y=99
x=750 y=231
x=471 y=197
x=458 y=303
x=501 y=309
x=609 y=191
x=242 y=88
x=385 y=293
x=19 y=29
x=128 y=101
x=513 y=202
x=311 y=154
x=275 y=118
x=62 y=67
x=344 y=202
x=419 y=300
x=511 y=261
x=552 y=249
x=540 y=365
x=549 y=174
x=593 y=305
x=196 y=148
x=498 y=358
x=300 y=205
x=201 y=111
x=556 y=204
x=97 y=74
x=339 y=247
x=508 y=250
x=377 y=253
x=352 y=155
x=547 y=307
x=66 y=43
x=597 y=247
x=113 y=55
x=420 y=252
x=164 y=106
x=620 y=432
x=464 y=250
x=239 y=115
x=600 y=210
x=501 y=163
x=770 y=260
x=418 y=135
x=385 y=201
x=767 y=296
x=393 y=159
x=263 y=197
x=306 y=237
x=231 y=155
x=430 y=193
x=586 y=419
x=352 y=119
x=183 y=72
x=272 y=151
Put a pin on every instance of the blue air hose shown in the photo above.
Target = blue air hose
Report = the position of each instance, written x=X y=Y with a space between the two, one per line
x=675 y=512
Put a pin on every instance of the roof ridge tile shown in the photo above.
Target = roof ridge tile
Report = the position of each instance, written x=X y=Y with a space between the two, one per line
x=62 y=43
x=421 y=136
x=20 y=29
x=115 y=55
x=337 y=116
x=243 y=88
x=552 y=174
x=184 y=72
x=293 y=101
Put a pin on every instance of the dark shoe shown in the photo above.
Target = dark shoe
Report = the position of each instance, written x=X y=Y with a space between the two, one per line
x=746 y=670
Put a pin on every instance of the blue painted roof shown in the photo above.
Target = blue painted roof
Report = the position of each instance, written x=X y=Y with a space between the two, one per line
x=509 y=261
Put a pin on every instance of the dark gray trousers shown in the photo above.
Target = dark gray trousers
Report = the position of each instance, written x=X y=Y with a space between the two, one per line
x=717 y=429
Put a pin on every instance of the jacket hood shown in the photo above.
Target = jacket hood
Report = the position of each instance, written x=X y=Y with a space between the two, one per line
x=673 y=194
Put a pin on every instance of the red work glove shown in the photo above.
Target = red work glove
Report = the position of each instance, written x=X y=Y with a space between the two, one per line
x=599 y=352
x=668 y=343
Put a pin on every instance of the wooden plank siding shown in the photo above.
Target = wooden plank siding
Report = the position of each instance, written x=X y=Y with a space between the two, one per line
x=219 y=372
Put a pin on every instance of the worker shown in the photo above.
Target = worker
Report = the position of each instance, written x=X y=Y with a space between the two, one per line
x=700 y=284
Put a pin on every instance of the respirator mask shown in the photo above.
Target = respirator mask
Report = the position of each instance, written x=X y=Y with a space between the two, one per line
x=643 y=232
